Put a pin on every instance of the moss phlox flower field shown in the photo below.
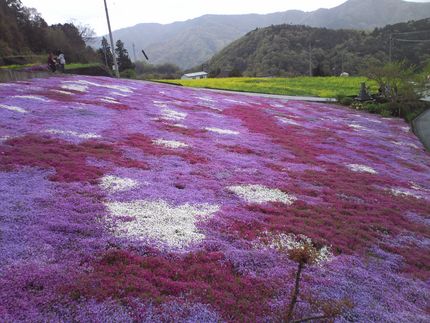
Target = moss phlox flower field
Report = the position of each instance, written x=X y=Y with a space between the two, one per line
x=128 y=201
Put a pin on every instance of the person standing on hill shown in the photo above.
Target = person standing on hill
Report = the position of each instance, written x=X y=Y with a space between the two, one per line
x=61 y=61
x=51 y=62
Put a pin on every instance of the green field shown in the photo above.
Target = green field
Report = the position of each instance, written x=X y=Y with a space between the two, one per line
x=73 y=66
x=16 y=67
x=324 y=87
x=67 y=66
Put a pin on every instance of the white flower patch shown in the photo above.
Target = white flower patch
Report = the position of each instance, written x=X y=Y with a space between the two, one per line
x=284 y=242
x=31 y=97
x=223 y=131
x=73 y=134
x=361 y=168
x=75 y=87
x=4 y=138
x=179 y=125
x=405 y=129
x=356 y=126
x=114 y=184
x=404 y=192
x=287 y=121
x=109 y=100
x=62 y=92
x=160 y=104
x=119 y=94
x=157 y=220
x=277 y=105
x=170 y=143
x=173 y=115
x=261 y=194
x=418 y=187
x=406 y=144
x=246 y=170
x=373 y=120
x=205 y=99
x=82 y=82
x=13 y=108
x=121 y=88
x=214 y=108
x=235 y=101
x=125 y=89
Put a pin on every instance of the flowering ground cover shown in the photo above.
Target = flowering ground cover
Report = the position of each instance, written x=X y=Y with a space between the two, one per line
x=126 y=201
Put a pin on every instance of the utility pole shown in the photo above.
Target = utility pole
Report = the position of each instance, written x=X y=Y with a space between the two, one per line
x=390 y=55
x=342 y=55
x=112 y=45
x=310 y=59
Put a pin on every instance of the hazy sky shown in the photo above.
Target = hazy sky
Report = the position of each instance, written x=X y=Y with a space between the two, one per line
x=125 y=13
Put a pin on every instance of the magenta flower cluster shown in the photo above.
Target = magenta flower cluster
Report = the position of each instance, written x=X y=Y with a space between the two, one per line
x=128 y=201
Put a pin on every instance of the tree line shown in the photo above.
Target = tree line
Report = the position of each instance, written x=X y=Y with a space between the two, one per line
x=23 y=32
x=139 y=69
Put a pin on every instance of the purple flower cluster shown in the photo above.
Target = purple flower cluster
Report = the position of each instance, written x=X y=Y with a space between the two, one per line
x=129 y=201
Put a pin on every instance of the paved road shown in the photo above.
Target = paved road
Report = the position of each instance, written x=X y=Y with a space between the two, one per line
x=421 y=127
x=274 y=96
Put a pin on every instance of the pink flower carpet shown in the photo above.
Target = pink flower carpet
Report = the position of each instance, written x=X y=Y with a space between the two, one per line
x=127 y=201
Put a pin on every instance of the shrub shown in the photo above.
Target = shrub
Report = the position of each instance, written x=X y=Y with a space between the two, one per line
x=386 y=113
x=396 y=81
x=347 y=101
x=129 y=74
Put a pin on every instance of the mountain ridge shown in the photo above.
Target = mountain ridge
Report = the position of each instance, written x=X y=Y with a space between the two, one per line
x=194 y=41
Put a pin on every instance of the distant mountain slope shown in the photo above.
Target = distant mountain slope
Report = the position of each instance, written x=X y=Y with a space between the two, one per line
x=367 y=14
x=283 y=50
x=194 y=41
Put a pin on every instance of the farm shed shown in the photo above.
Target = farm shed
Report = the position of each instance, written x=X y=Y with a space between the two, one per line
x=195 y=76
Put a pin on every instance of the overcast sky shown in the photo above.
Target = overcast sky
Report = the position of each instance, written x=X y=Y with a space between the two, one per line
x=126 y=13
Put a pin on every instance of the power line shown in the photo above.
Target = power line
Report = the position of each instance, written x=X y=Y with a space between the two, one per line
x=413 y=40
x=411 y=32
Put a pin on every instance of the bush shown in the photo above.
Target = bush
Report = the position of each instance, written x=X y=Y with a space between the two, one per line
x=386 y=113
x=396 y=81
x=377 y=108
x=410 y=109
x=147 y=71
x=129 y=74
x=401 y=88
x=346 y=100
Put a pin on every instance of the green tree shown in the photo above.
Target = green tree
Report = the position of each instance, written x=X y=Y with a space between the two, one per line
x=124 y=62
x=105 y=53
x=399 y=85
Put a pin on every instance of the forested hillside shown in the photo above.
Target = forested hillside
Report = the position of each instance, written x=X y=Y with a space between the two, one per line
x=189 y=43
x=286 y=50
x=24 y=32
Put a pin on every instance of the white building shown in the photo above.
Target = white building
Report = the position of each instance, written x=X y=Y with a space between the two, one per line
x=195 y=76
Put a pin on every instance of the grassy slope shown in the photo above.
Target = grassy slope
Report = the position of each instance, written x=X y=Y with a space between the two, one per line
x=80 y=65
x=327 y=87
x=67 y=66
